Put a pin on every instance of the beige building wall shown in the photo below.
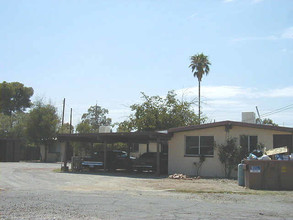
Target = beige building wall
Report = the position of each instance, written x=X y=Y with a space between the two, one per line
x=178 y=162
x=53 y=156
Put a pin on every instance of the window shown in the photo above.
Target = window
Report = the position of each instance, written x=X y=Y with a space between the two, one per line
x=199 y=145
x=248 y=142
x=281 y=140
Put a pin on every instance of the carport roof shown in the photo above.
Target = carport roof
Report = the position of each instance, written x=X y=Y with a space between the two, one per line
x=126 y=137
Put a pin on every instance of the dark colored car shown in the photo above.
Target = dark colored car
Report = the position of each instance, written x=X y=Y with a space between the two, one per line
x=116 y=159
x=148 y=162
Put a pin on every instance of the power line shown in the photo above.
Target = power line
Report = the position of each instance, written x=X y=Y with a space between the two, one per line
x=277 y=110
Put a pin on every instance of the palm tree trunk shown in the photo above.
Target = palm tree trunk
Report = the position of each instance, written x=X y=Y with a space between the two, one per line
x=199 y=101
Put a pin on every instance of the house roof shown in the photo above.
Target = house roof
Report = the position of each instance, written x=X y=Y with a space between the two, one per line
x=139 y=137
x=229 y=123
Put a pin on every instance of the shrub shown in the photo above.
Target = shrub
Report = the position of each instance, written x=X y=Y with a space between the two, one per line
x=230 y=155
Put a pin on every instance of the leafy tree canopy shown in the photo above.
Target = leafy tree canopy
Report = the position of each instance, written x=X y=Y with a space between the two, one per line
x=65 y=128
x=14 y=97
x=157 y=113
x=14 y=125
x=42 y=123
x=93 y=119
x=5 y=125
x=199 y=65
x=268 y=121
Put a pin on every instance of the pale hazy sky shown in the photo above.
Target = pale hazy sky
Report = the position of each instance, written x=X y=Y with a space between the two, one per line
x=107 y=52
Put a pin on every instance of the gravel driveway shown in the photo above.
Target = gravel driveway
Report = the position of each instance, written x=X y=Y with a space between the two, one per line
x=35 y=191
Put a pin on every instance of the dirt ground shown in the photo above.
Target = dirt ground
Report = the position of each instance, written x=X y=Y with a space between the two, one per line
x=37 y=191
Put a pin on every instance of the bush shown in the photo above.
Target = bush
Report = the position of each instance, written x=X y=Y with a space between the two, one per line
x=230 y=155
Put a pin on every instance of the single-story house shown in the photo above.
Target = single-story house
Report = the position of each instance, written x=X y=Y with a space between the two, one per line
x=188 y=143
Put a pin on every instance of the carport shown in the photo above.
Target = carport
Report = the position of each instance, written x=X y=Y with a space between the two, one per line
x=124 y=137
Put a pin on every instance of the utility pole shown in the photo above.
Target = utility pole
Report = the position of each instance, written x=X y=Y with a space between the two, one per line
x=65 y=167
x=70 y=130
x=258 y=115
x=63 y=111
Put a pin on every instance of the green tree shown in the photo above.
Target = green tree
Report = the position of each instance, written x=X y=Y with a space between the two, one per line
x=93 y=119
x=42 y=124
x=125 y=126
x=230 y=155
x=84 y=127
x=13 y=126
x=199 y=66
x=19 y=121
x=14 y=97
x=157 y=113
x=268 y=121
x=65 y=129
x=5 y=125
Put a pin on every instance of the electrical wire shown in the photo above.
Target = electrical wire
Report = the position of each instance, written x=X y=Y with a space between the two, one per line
x=277 y=110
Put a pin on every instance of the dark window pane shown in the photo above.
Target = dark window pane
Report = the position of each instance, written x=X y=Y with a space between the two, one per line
x=207 y=145
x=244 y=141
x=253 y=142
x=192 y=143
x=207 y=151
x=281 y=140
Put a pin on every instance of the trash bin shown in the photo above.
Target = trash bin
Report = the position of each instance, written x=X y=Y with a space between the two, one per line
x=270 y=174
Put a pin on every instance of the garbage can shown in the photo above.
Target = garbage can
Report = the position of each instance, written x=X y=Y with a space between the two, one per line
x=270 y=174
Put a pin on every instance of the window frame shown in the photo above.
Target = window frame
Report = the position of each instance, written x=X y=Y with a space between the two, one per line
x=248 y=141
x=199 y=146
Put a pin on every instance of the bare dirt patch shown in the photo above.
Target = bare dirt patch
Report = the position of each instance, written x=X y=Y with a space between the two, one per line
x=206 y=186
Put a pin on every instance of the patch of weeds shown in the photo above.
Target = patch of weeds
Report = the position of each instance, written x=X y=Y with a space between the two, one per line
x=250 y=192
x=58 y=170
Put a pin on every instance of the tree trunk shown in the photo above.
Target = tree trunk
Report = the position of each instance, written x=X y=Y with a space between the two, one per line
x=199 y=101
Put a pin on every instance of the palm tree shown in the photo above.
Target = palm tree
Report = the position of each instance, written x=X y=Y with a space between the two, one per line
x=199 y=66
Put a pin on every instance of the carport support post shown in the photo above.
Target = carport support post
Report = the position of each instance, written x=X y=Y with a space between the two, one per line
x=158 y=157
x=92 y=148
x=128 y=149
x=105 y=156
x=291 y=145
x=65 y=167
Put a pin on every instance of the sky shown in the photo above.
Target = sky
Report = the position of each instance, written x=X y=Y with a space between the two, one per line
x=108 y=52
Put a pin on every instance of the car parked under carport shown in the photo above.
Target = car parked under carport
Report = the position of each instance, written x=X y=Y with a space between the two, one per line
x=148 y=162
x=117 y=159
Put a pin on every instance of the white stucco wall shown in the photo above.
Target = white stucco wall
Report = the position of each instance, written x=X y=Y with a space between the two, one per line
x=178 y=162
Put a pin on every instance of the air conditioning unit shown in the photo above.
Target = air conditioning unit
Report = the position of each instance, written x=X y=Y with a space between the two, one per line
x=248 y=117
x=105 y=129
